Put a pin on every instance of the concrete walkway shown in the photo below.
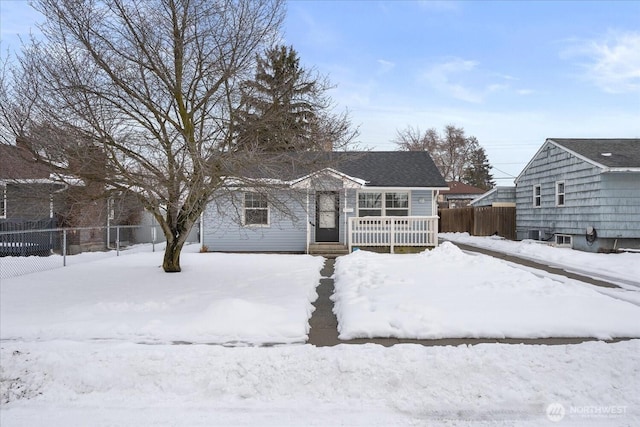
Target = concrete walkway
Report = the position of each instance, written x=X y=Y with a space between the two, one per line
x=324 y=324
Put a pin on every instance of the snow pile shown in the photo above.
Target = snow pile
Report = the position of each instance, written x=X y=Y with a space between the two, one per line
x=218 y=298
x=625 y=266
x=445 y=293
x=60 y=383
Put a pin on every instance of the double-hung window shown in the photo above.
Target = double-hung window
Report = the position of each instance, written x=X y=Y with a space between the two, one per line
x=560 y=193
x=371 y=203
x=396 y=204
x=256 y=209
x=537 y=196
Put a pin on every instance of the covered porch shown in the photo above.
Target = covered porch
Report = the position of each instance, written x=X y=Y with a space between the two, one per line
x=392 y=232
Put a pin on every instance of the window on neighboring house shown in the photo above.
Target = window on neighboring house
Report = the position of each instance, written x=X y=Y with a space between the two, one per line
x=563 y=240
x=256 y=209
x=560 y=193
x=537 y=196
x=3 y=201
x=395 y=204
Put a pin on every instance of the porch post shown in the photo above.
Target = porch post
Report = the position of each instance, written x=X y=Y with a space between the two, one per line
x=344 y=213
x=308 y=223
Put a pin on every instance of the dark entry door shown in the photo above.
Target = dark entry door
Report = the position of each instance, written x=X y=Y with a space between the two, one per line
x=327 y=216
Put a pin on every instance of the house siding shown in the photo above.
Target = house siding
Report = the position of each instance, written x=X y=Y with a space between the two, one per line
x=608 y=202
x=620 y=205
x=582 y=194
x=286 y=232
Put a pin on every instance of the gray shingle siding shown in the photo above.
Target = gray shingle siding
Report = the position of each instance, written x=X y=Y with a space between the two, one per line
x=607 y=201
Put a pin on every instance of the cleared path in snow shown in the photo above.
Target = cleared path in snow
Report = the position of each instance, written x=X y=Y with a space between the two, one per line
x=323 y=322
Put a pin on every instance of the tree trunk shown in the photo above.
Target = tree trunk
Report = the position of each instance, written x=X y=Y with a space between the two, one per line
x=171 y=262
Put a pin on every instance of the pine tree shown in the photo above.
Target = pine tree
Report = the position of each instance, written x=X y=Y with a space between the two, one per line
x=280 y=106
x=477 y=172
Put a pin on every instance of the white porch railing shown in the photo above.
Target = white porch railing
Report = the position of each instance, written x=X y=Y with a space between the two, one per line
x=393 y=231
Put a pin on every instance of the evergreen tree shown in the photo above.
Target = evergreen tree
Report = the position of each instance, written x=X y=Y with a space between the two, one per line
x=280 y=107
x=478 y=170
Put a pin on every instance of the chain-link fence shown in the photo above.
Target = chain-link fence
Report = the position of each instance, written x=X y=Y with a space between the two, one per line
x=27 y=251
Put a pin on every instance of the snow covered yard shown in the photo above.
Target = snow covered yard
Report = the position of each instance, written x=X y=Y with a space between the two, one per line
x=72 y=353
x=445 y=293
x=62 y=383
x=623 y=266
x=218 y=298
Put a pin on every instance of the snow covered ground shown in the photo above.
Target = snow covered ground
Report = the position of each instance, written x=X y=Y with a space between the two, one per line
x=446 y=293
x=218 y=298
x=90 y=345
x=624 y=267
x=62 y=383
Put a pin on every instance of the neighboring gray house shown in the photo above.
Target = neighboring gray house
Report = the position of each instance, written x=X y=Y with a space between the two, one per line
x=581 y=193
x=496 y=197
x=363 y=199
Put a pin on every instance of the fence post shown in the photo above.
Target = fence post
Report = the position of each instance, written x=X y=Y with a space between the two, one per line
x=118 y=241
x=153 y=238
x=64 y=248
x=392 y=237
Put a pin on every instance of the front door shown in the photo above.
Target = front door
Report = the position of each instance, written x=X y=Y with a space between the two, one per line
x=327 y=216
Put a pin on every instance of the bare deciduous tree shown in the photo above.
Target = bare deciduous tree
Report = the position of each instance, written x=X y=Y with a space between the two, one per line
x=452 y=151
x=149 y=86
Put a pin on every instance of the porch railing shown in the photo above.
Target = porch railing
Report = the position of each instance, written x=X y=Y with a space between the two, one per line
x=393 y=231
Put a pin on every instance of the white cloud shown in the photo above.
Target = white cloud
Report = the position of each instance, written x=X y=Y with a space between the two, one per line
x=441 y=77
x=385 y=66
x=612 y=63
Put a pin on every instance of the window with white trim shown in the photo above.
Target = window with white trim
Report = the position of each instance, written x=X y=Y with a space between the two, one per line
x=396 y=204
x=563 y=240
x=3 y=201
x=369 y=204
x=256 y=209
x=560 y=193
x=537 y=196
x=393 y=203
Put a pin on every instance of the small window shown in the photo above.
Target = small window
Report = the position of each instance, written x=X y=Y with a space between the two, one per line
x=563 y=240
x=397 y=204
x=560 y=193
x=370 y=204
x=256 y=209
x=3 y=201
x=537 y=196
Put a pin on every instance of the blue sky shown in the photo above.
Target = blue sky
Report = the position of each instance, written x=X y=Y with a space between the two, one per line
x=511 y=73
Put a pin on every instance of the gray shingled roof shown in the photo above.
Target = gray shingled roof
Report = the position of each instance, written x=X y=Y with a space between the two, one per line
x=391 y=168
x=377 y=168
x=625 y=153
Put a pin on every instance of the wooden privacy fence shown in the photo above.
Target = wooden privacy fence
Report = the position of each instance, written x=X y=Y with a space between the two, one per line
x=480 y=221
